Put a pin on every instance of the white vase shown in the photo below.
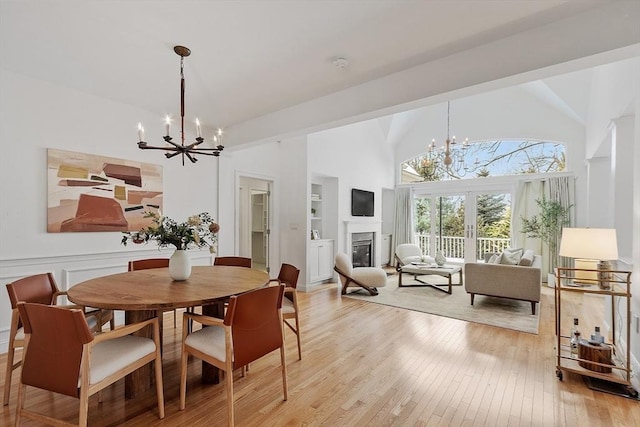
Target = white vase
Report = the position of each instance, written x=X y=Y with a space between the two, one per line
x=180 y=265
x=440 y=259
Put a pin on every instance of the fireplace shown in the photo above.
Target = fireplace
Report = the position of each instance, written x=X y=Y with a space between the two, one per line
x=362 y=249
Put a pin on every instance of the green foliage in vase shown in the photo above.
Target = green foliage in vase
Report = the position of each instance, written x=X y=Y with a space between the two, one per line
x=199 y=230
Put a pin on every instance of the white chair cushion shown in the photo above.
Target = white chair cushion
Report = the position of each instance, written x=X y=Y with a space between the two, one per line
x=20 y=334
x=370 y=276
x=287 y=306
x=110 y=356
x=209 y=340
x=344 y=263
x=407 y=250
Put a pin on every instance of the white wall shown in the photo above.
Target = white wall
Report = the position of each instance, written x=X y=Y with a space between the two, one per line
x=37 y=115
x=613 y=93
x=261 y=162
x=361 y=157
x=613 y=140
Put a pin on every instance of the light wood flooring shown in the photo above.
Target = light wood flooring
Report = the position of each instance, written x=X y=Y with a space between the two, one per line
x=372 y=365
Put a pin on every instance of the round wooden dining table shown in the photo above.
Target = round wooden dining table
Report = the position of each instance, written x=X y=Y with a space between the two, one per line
x=142 y=294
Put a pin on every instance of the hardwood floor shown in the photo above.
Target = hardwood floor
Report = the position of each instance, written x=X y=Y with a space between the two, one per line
x=372 y=365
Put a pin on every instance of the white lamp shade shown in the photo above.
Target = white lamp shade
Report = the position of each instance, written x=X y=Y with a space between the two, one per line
x=589 y=243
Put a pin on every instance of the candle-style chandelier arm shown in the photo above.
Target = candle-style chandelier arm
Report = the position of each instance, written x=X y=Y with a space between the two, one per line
x=175 y=149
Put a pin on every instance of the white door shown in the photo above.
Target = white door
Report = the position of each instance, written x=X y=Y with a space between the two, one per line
x=463 y=226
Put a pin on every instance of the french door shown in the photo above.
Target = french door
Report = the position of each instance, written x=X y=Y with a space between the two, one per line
x=463 y=225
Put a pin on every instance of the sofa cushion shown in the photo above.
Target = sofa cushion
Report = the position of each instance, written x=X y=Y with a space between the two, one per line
x=495 y=259
x=511 y=256
x=527 y=258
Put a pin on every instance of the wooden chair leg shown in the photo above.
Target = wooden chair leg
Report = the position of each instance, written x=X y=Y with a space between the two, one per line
x=298 y=337
x=159 y=385
x=228 y=375
x=22 y=389
x=9 y=371
x=183 y=374
x=84 y=407
x=283 y=362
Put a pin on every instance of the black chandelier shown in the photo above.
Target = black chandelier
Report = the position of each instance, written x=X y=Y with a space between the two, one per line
x=174 y=149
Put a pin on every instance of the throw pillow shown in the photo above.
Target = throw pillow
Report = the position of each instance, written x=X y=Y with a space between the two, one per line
x=495 y=259
x=527 y=258
x=511 y=256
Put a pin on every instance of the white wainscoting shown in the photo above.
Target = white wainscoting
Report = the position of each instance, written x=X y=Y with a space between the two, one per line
x=71 y=270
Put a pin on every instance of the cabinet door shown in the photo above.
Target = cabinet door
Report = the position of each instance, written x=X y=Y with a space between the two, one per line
x=314 y=271
x=325 y=253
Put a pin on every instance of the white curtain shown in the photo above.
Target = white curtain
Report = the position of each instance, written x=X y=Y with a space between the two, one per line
x=525 y=206
x=403 y=218
x=562 y=189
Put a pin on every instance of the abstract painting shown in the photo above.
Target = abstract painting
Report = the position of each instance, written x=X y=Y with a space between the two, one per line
x=96 y=193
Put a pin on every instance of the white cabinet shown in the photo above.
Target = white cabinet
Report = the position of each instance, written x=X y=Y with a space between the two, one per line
x=385 y=249
x=320 y=260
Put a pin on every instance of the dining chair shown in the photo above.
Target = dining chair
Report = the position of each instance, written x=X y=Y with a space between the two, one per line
x=63 y=356
x=144 y=264
x=251 y=328
x=39 y=289
x=233 y=261
x=288 y=276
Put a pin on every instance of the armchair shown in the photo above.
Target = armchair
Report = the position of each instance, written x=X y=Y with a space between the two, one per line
x=367 y=278
x=39 y=289
x=90 y=362
x=251 y=329
x=406 y=253
x=288 y=276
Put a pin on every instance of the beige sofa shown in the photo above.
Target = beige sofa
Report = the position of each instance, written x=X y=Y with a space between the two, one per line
x=505 y=281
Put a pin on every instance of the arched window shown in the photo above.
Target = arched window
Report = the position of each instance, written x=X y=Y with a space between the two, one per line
x=484 y=158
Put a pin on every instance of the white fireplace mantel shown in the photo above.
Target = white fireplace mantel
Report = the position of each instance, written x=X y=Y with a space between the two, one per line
x=364 y=226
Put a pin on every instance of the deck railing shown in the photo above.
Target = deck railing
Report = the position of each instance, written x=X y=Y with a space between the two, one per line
x=453 y=247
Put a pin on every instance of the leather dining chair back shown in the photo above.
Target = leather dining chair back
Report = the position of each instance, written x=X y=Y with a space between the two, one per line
x=144 y=264
x=288 y=276
x=90 y=362
x=251 y=329
x=37 y=289
x=233 y=261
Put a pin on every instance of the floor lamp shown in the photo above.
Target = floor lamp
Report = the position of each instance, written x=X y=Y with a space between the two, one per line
x=598 y=244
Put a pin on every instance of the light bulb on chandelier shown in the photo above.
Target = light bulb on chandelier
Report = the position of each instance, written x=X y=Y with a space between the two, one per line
x=189 y=150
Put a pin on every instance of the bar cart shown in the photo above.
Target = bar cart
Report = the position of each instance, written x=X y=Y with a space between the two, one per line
x=606 y=361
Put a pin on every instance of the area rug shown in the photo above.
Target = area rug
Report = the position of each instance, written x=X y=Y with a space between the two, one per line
x=500 y=312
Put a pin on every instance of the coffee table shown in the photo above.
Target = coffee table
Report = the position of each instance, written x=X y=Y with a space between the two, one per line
x=429 y=269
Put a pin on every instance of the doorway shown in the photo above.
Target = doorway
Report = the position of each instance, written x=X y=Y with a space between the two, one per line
x=254 y=221
x=463 y=226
